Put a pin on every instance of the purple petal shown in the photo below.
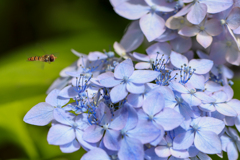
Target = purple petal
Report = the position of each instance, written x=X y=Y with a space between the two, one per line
x=162 y=48
x=93 y=134
x=169 y=119
x=133 y=38
x=82 y=121
x=145 y=132
x=184 y=10
x=141 y=57
x=91 y=155
x=40 y=115
x=197 y=13
x=207 y=107
x=143 y=76
x=202 y=55
x=210 y=124
x=162 y=6
x=125 y=68
x=94 y=56
x=178 y=59
x=153 y=104
x=131 y=11
x=143 y=65
x=183 y=140
x=179 y=153
x=215 y=6
x=107 y=79
x=202 y=66
x=131 y=148
x=234 y=103
x=163 y=151
x=191 y=100
x=225 y=109
x=189 y=31
x=61 y=116
x=213 y=27
x=132 y=117
x=152 y=26
x=151 y=155
x=181 y=44
x=217 y=53
x=178 y=87
x=232 y=151
x=53 y=99
x=120 y=119
x=204 y=97
x=60 y=134
x=68 y=92
x=197 y=81
x=207 y=142
x=103 y=114
x=84 y=144
x=118 y=93
x=135 y=88
x=110 y=140
x=136 y=100
x=204 y=39
x=70 y=147
x=229 y=121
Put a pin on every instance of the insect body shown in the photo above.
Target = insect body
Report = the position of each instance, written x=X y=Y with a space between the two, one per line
x=44 y=58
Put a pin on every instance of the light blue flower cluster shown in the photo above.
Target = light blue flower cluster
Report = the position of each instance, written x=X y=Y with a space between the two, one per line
x=156 y=106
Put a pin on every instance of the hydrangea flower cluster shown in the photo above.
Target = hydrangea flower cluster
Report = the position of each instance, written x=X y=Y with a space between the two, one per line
x=164 y=104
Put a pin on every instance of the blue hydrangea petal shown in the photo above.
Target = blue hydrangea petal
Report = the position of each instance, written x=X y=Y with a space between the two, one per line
x=215 y=6
x=169 y=119
x=131 y=148
x=60 y=134
x=234 y=103
x=82 y=121
x=153 y=104
x=183 y=11
x=135 y=88
x=143 y=65
x=208 y=107
x=197 y=81
x=107 y=79
x=163 y=151
x=84 y=144
x=178 y=59
x=141 y=57
x=152 y=26
x=68 y=92
x=136 y=100
x=207 y=142
x=93 y=134
x=132 y=118
x=197 y=13
x=202 y=66
x=204 y=97
x=151 y=155
x=110 y=140
x=161 y=47
x=143 y=76
x=225 y=109
x=145 y=132
x=94 y=56
x=118 y=93
x=178 y=87
x=133 y=38
x=70 y=147
x=103 y=114
x=123 y=69
x=62 y=116
x=119 y=120
x=225 y=140
x=181 y=44
x=191 y=99
x=40 y=115
x=96 y=154
x=183 y=140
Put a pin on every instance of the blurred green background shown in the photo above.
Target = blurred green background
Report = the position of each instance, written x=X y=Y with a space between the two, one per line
x=26 y=27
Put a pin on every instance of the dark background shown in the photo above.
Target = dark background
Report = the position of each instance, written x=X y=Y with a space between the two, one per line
x=38 y=27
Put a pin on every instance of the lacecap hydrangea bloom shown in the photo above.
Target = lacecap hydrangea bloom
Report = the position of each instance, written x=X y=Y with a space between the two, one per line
x=174 y=102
